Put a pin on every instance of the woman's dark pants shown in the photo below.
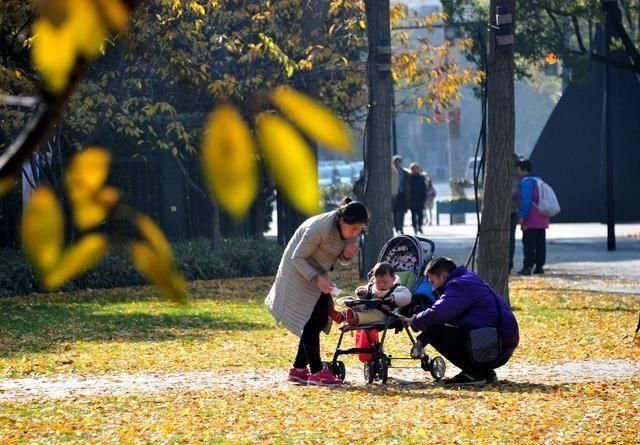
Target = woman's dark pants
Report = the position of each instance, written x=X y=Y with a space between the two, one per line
x=309 y=346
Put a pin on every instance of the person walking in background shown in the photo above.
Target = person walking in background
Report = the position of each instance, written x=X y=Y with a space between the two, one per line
x=515 y=206
x=418 y=196
x=399 y=189
x=533 y=224
x=300 y=296
x=431 y=197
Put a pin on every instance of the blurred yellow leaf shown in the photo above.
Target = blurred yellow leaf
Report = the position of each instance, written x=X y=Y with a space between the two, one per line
x=7 y=184
x=43 y=229
x=317 y=121
x=159 y=272
x=228 y=161
x=291 y=162
x=108 y=196
x=154 y=236
x=87 y=28
x=87 y=172
x=88 y=213
x=53 y=53
x=79 y=258
x=115 y=13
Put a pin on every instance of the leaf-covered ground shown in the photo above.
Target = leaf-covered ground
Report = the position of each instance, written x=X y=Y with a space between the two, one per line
x=227 y=333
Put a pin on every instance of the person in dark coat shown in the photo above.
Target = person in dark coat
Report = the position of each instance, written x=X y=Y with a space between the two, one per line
x=465 y=302
x=418 y=196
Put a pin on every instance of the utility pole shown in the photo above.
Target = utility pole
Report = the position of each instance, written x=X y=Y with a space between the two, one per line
x=608 y=7
x=377 y=196
x=493 y=255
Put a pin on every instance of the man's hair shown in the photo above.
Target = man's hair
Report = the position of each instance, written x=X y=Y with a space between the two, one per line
x=525 y=165
x=441 y=264
x=383 y=268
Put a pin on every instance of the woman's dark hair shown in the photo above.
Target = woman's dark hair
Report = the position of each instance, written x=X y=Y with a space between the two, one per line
x=441 y=264
x=353 y=212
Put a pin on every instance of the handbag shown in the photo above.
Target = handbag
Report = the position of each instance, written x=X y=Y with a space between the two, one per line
x=485 y=345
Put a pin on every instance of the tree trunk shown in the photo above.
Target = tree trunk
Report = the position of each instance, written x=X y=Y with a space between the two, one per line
x=215 y=235
x=377 y=194
x=493 y=257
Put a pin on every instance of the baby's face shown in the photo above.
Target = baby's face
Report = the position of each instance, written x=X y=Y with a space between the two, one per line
x=384 y=282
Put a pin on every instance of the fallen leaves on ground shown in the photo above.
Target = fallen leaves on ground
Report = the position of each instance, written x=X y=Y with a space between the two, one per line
x=226 y=327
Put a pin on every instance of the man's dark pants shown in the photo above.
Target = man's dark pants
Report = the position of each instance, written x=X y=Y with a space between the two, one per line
x=452 y=343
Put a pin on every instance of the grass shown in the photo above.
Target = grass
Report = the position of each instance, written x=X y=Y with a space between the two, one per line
x=227 y=327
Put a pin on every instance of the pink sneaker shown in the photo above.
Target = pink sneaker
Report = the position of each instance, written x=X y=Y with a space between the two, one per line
x=324 y=378
x=299 y=375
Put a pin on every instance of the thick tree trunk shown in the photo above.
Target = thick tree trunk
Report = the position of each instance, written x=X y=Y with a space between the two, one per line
x=493 y=257
x=377 y=196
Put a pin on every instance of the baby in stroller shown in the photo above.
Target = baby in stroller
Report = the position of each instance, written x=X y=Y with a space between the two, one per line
x=384 y=286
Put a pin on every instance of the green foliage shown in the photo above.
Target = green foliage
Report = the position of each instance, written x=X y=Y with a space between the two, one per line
x=333 y=194
x=196 y=261
x=564 y=27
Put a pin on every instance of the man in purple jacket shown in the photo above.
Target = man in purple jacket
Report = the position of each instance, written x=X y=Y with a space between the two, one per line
x=465 y=302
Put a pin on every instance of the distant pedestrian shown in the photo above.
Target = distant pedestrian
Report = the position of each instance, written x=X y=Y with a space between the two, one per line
x=358 y=187
x=515 y=206
x=533 y=224
x=431 y=198
x=399 y=192
x=418 y=196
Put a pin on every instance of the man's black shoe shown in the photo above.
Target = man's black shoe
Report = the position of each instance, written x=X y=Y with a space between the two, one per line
x=538 y=270
x=525 y=271
x=464 y=379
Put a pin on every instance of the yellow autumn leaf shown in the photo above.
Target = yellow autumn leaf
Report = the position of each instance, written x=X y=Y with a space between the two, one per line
x=87 y=27
x=159 y=272
x=290 y=161
x=314 y=119
x=7 y=184
x=108 y=196
x=228 y=161
x=115 y=14
x=76 y=260
x=154 y=236
x=53 y=52
x=87 y=172
x=43 y=229
x=88 y=213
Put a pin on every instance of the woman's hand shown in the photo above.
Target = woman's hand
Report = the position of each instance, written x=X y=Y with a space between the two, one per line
x=324 y=284
x=351 y=250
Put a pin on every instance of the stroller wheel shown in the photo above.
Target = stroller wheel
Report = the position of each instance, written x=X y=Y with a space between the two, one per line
x=370 y=371
x=438 y=368
x=384 y=369
x=339 y=370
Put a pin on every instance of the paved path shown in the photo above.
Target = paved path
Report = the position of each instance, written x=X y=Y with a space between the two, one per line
x=576 y=253
x=72 y=387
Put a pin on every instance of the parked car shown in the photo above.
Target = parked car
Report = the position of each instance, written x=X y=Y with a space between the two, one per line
x=472 y=164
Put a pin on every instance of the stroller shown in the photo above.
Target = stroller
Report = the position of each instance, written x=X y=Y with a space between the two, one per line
x=409 y=256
